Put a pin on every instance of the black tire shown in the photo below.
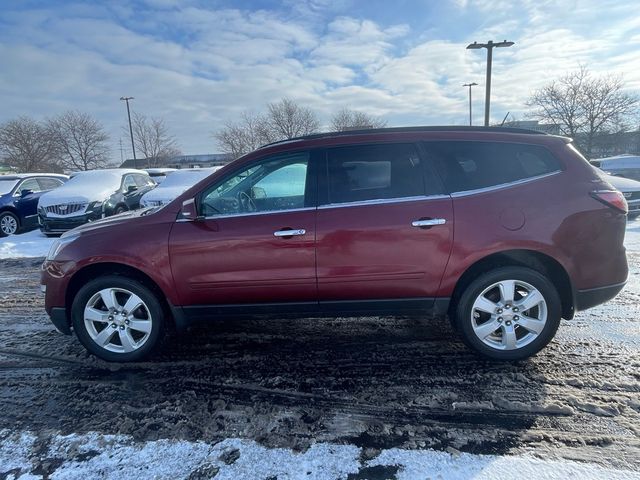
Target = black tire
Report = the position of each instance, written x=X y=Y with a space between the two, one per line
x=151 y=306
x=120 y=209
x=463 y=314
x=6 y=220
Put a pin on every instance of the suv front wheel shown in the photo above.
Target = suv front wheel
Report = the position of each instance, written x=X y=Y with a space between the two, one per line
x=118 y=319
x=510 y=313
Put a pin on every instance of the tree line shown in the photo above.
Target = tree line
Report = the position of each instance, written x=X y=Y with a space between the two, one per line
x=283 y=120
x=74 y=141
x=585 y=107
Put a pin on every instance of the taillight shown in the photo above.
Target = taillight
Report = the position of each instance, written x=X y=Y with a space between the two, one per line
x=611 y=198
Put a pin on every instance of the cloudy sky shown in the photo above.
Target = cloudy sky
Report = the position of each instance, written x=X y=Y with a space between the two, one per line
x=199 y=64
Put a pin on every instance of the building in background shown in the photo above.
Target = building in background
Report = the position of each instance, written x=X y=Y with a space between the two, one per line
x=184 y=161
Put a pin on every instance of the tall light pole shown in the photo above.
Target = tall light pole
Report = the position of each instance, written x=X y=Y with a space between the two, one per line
x=470 y=85
x=489 y=46
x=133 y=147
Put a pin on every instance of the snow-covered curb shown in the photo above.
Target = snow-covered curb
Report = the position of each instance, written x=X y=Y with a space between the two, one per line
x=96 y=456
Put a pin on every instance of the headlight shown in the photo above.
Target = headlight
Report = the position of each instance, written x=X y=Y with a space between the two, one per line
x=95 y=206
x=60 y=243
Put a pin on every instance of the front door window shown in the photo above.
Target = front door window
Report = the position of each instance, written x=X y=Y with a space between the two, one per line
x=277 y=184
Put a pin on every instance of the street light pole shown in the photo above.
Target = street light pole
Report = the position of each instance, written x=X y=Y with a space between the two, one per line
x=489 y=46
x=470 y=85
x=133 y=147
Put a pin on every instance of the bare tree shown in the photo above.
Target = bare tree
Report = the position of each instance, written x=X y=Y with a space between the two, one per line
x=347 y=119
x=286 y=119
x=240 y=138
x=584 y=106
x=153 y=140
x=28 y=146
x=80 y=140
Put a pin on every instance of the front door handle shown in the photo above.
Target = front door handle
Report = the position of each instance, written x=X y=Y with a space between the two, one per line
x=428 y=222
x=289 y=233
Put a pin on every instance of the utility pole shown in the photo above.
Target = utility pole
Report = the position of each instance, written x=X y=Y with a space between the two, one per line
x=133 y=147
x=470 y=114
x=489 y=46
x=121 y=152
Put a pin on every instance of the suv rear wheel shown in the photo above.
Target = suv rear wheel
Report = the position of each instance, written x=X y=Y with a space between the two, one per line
x=118 y=319
x=510 y=313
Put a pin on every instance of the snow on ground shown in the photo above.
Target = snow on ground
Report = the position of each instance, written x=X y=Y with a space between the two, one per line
x=29 y=244
x=93 y=455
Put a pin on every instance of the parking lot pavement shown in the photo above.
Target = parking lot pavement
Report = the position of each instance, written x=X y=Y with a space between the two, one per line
x=370 y=384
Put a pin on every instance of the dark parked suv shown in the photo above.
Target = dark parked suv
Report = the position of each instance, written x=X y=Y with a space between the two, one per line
x=506 y=231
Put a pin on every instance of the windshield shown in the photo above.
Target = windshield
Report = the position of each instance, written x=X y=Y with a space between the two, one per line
x=6 y=185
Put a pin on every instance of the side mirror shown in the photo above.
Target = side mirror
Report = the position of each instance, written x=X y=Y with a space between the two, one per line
x=25 y=192
x=131 y=188
x=189 y=210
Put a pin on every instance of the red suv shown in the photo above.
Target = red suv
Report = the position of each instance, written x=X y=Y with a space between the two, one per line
x=504 y=230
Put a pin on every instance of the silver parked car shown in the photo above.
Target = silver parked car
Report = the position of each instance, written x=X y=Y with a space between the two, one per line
x=627 y=166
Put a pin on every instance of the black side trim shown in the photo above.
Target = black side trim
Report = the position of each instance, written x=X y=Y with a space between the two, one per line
x=59 y=318
x=595 y=296
x=187 y=315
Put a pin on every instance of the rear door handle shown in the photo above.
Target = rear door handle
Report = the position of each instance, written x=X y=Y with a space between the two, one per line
x=428 y=222
x=289 y=233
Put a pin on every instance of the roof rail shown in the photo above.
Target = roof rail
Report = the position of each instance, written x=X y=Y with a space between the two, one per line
x=450 y=128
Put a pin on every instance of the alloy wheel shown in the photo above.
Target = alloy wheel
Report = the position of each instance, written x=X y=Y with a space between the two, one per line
x=117 y=320
x=8 y=224
x=509 y=314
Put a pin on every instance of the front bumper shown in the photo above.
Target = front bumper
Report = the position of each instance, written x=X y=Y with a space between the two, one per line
x=53 y=283
x=58 y=316
x=595 y=296
x=62 y=224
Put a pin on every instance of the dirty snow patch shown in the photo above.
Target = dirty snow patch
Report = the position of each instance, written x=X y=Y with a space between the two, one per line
x=93 y=455
x=30 y=244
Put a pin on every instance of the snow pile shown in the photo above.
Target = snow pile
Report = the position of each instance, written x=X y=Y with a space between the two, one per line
x=93 y=455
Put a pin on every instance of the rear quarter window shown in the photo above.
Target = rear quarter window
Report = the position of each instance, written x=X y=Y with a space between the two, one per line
x=474 y=165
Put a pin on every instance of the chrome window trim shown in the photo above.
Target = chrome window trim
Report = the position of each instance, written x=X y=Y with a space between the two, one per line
x=248 y=214
x=465 y=193
x=382 y=201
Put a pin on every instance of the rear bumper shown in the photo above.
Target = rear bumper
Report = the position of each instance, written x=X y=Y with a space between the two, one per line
x=595 y=296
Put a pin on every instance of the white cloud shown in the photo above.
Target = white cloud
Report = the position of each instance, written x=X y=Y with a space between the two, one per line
x=199 y=67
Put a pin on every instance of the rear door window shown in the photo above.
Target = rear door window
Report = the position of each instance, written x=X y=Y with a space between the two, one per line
x=473 y=165
x=374 y=172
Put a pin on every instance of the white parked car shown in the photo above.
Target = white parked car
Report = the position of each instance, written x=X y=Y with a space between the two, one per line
x=629 y=188
x=175 y=183
x=627 y=166
x=92 y=195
